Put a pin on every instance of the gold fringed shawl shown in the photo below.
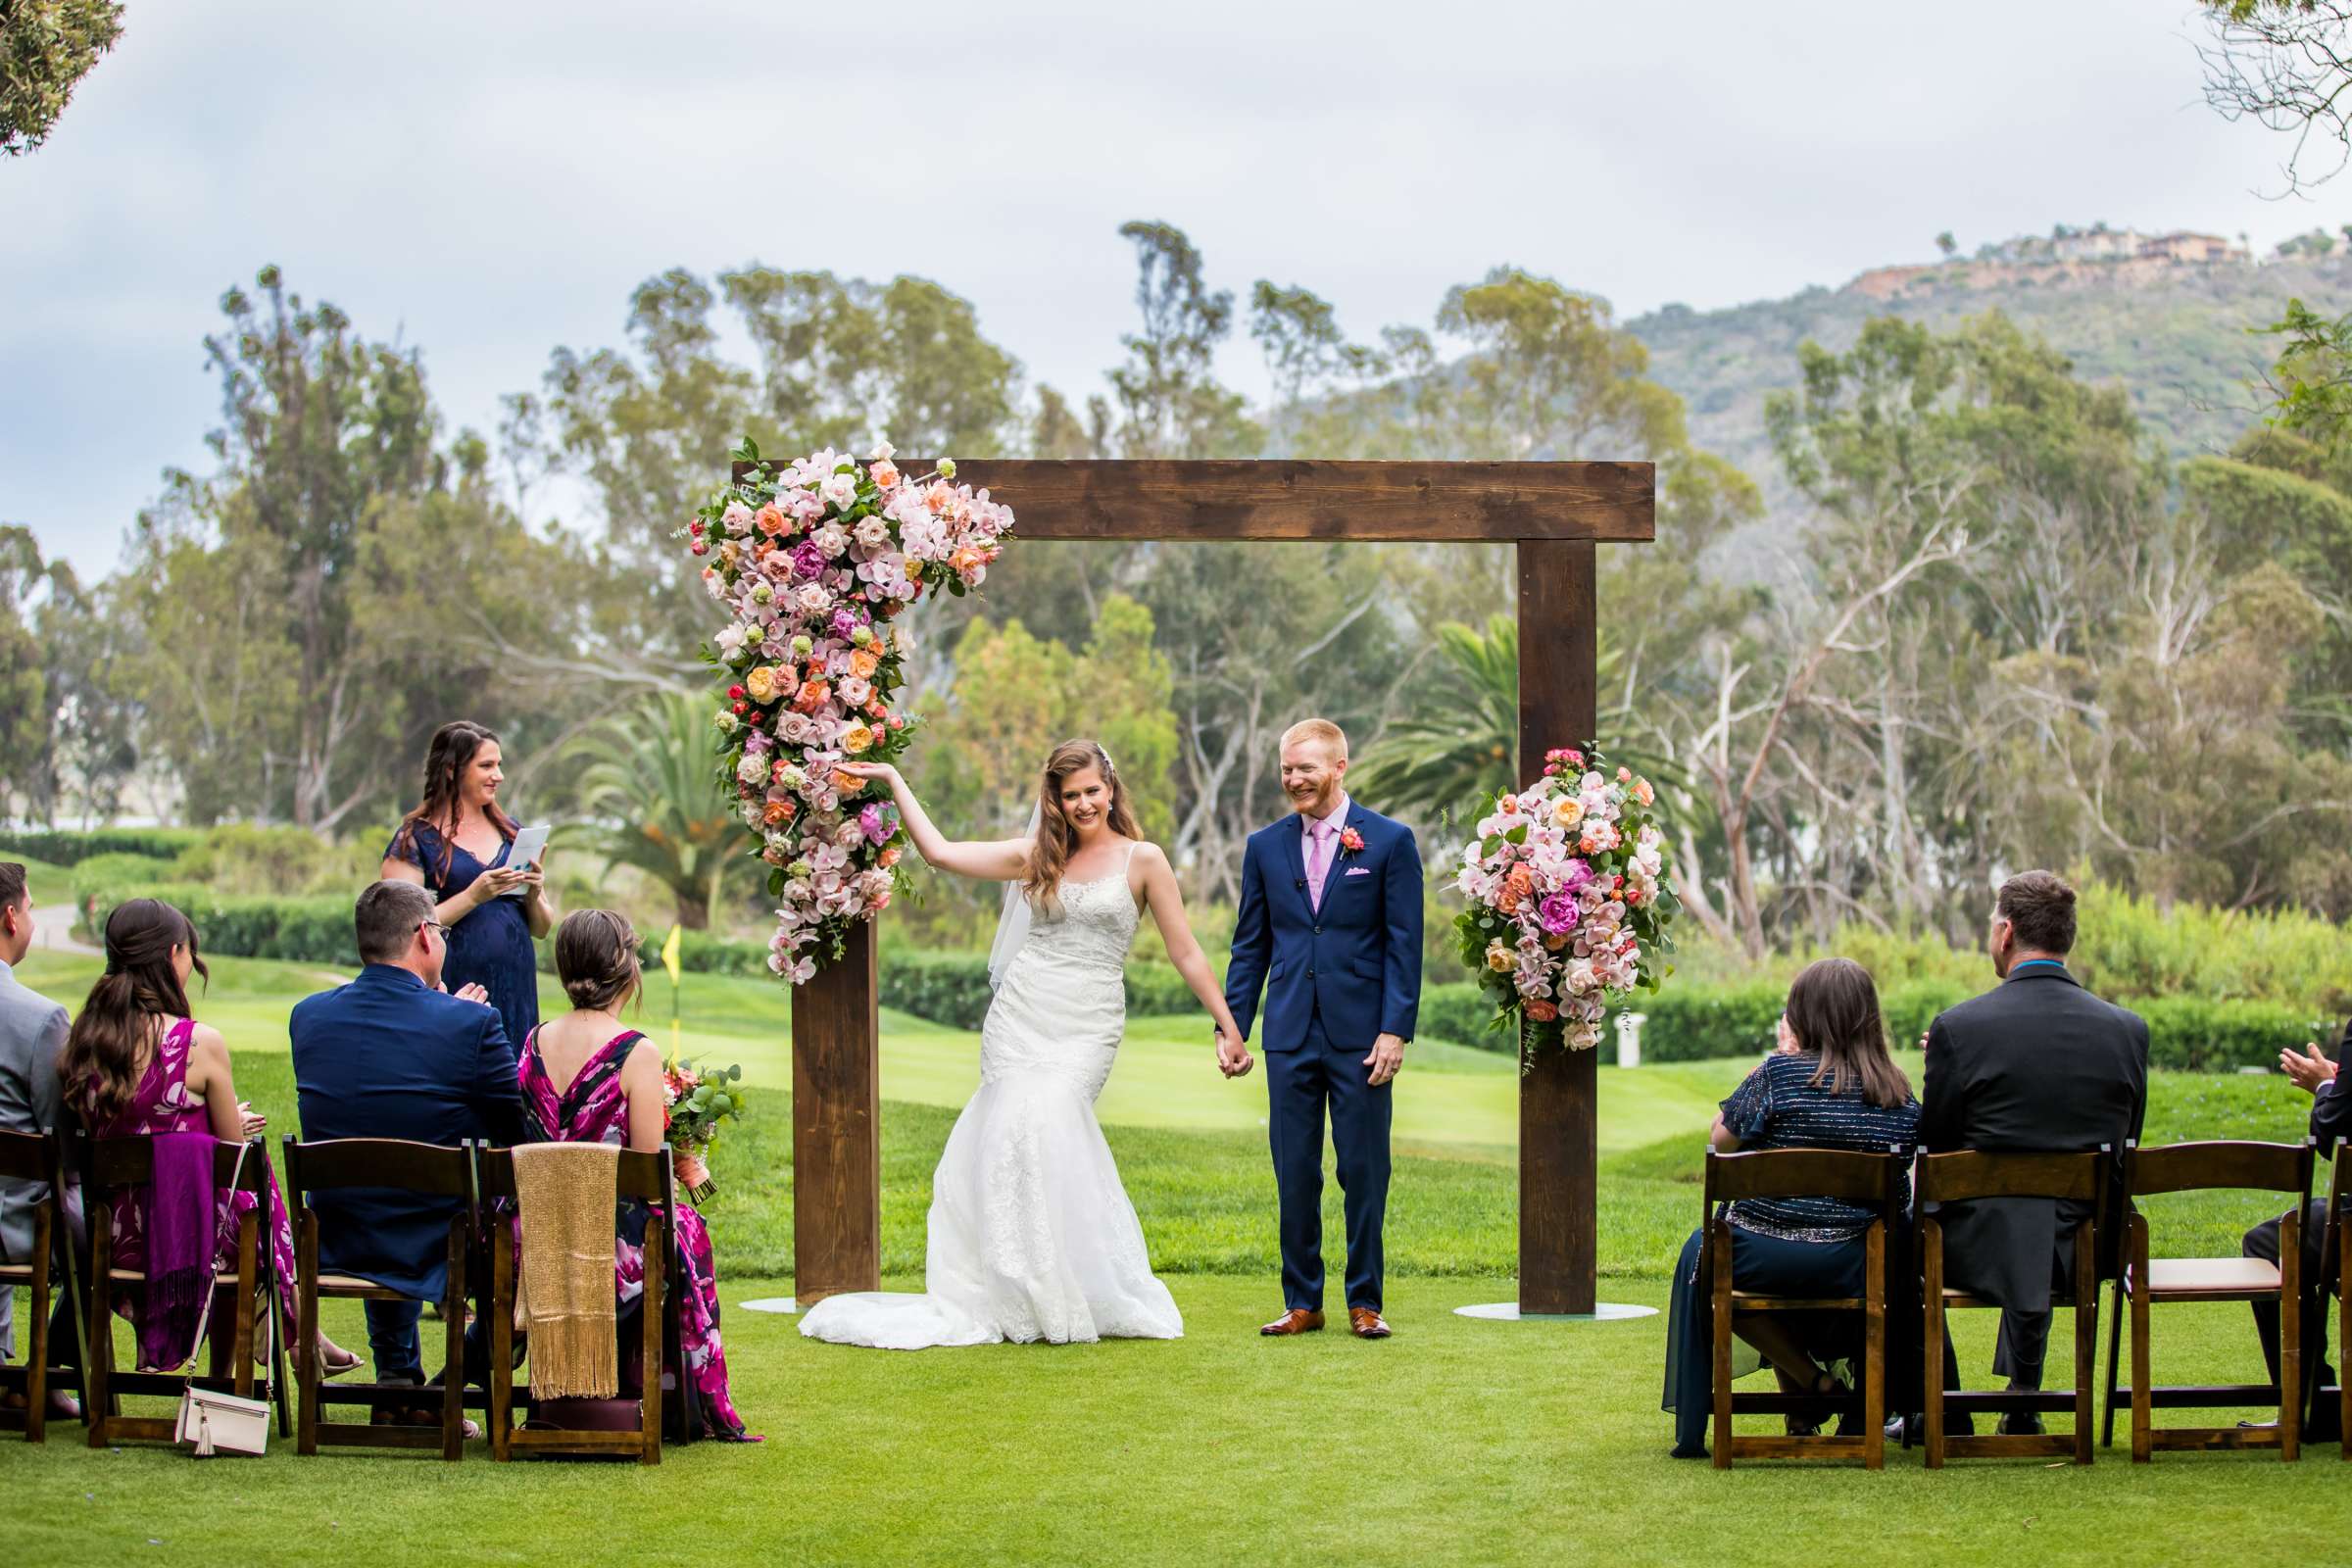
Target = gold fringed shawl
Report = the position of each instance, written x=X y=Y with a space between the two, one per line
x=564 y=1293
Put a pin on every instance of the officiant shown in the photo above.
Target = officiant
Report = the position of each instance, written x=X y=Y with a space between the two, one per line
x=460 y=844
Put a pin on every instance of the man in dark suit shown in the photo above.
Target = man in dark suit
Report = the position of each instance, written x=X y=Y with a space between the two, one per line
x=2330 y=1122
x=2035 y=1064
x=33 y=1030
x=393 y=1055
x=1330 y=925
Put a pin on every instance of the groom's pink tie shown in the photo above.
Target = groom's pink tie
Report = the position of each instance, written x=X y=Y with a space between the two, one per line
x=1318 y=861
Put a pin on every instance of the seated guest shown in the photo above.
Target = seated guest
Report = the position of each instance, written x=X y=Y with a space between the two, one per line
x=1828 y=1085
x=589 y=1078
x=2331 y=1121
x=33 y=1030
x=2036 y=1064
x=136 y=1064
x=392 y=1055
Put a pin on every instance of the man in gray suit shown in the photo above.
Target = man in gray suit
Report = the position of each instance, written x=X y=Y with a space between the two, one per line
x=32 y=1029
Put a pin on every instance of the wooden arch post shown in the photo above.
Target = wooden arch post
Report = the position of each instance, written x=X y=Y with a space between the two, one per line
x=1552 y=513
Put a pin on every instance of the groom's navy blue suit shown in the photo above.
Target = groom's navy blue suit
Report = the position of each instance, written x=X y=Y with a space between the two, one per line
x=1336 y=976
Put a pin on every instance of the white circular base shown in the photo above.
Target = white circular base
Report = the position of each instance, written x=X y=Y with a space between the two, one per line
x=770 y=1303
x=1602 y=1312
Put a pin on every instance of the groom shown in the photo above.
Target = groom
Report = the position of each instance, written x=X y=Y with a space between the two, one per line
x=1330 y=924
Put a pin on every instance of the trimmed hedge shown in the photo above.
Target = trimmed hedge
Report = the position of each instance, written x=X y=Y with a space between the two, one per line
x=1687 y=1021
x=951 y=988
x=72 y=849
x=1690 y=1024
x=302 y=930
x=2195 y=1034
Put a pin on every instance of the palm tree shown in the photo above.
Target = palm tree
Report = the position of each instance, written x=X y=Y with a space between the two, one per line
x=1452 y=755
x=1457 y=749
x=654 y=793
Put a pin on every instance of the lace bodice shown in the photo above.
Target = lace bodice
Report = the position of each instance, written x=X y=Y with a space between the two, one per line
x=1094 y=929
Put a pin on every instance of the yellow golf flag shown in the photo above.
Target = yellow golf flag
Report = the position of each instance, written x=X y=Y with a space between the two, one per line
x=669 y=953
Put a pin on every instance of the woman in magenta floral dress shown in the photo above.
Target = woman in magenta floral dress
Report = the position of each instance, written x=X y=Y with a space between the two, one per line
x=587 y=1078
x=135 y=1063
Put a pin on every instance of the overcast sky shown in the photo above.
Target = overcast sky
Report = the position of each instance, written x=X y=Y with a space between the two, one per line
x=490 y=179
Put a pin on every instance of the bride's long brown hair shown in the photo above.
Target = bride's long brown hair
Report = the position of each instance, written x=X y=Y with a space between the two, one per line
x=1057 y=839
x=99 y=1068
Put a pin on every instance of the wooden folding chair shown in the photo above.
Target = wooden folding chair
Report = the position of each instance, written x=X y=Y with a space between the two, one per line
x=2201 y=1167
x=38 y=1158
x=645 y=1178
x=1958 y=1178
x=108 y=1164
x=382 y=1165
x=1867 y=1180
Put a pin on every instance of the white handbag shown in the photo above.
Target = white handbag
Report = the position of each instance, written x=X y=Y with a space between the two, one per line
x=214 y=1422
x=221 y=1423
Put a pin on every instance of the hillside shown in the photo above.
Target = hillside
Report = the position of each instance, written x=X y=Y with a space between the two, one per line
x=2176 y=339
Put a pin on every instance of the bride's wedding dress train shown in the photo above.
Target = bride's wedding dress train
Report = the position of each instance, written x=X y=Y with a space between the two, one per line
x=1031 y=1233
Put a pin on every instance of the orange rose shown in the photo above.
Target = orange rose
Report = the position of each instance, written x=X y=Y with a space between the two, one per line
x=772 y=520
x=847 y=783
x=863 y=662
x=1542 y=1011
x=1517 y=888
x=779 y=813
x=813 y=696
x=887 y=857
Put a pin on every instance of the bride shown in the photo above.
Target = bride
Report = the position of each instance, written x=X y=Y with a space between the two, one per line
x=1031 y=1234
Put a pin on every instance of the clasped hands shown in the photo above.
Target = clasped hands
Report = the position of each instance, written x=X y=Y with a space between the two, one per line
x=2309 y=1072
x=1388 y=1055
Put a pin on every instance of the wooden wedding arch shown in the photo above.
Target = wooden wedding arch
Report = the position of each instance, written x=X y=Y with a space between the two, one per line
x=1553 y=512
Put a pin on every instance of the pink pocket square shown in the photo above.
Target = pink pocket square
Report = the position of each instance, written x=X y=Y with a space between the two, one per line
x=1360 y=871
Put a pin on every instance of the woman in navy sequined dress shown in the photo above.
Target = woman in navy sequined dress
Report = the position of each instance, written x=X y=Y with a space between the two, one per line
x=456 y=844
x=1829 y=1085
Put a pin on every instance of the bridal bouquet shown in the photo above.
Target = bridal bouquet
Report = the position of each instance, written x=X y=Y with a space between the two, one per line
x=694 y=1103
x=1569 y=900
x=813 y=561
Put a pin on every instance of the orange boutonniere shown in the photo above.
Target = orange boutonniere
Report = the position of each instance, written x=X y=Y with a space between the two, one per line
x=1350 y=841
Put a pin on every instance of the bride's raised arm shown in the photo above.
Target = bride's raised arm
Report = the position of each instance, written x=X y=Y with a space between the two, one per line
x=1166 y=903
x=982 y=859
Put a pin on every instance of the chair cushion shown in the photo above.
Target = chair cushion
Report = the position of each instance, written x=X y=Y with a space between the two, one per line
x=2198 y=1274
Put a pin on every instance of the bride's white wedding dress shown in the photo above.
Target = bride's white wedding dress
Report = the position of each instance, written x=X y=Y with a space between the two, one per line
x=1031 y=1234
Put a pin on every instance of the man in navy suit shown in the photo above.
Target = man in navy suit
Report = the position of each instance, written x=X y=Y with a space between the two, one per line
x=393 y=1055
x=1330 y=927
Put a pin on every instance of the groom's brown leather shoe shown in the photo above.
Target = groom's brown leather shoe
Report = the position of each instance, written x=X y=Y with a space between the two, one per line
x=1366 y=1324
x=1297 y=1320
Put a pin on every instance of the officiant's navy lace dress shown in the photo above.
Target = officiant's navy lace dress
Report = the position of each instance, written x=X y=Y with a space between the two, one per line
x=491 y=947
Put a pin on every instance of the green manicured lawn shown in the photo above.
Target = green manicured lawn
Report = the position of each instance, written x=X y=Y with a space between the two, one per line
x=48 y=884
x=1457 y=1441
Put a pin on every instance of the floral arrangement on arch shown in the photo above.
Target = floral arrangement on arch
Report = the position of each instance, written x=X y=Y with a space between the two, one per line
x=1569 y=898
x=813 y=561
